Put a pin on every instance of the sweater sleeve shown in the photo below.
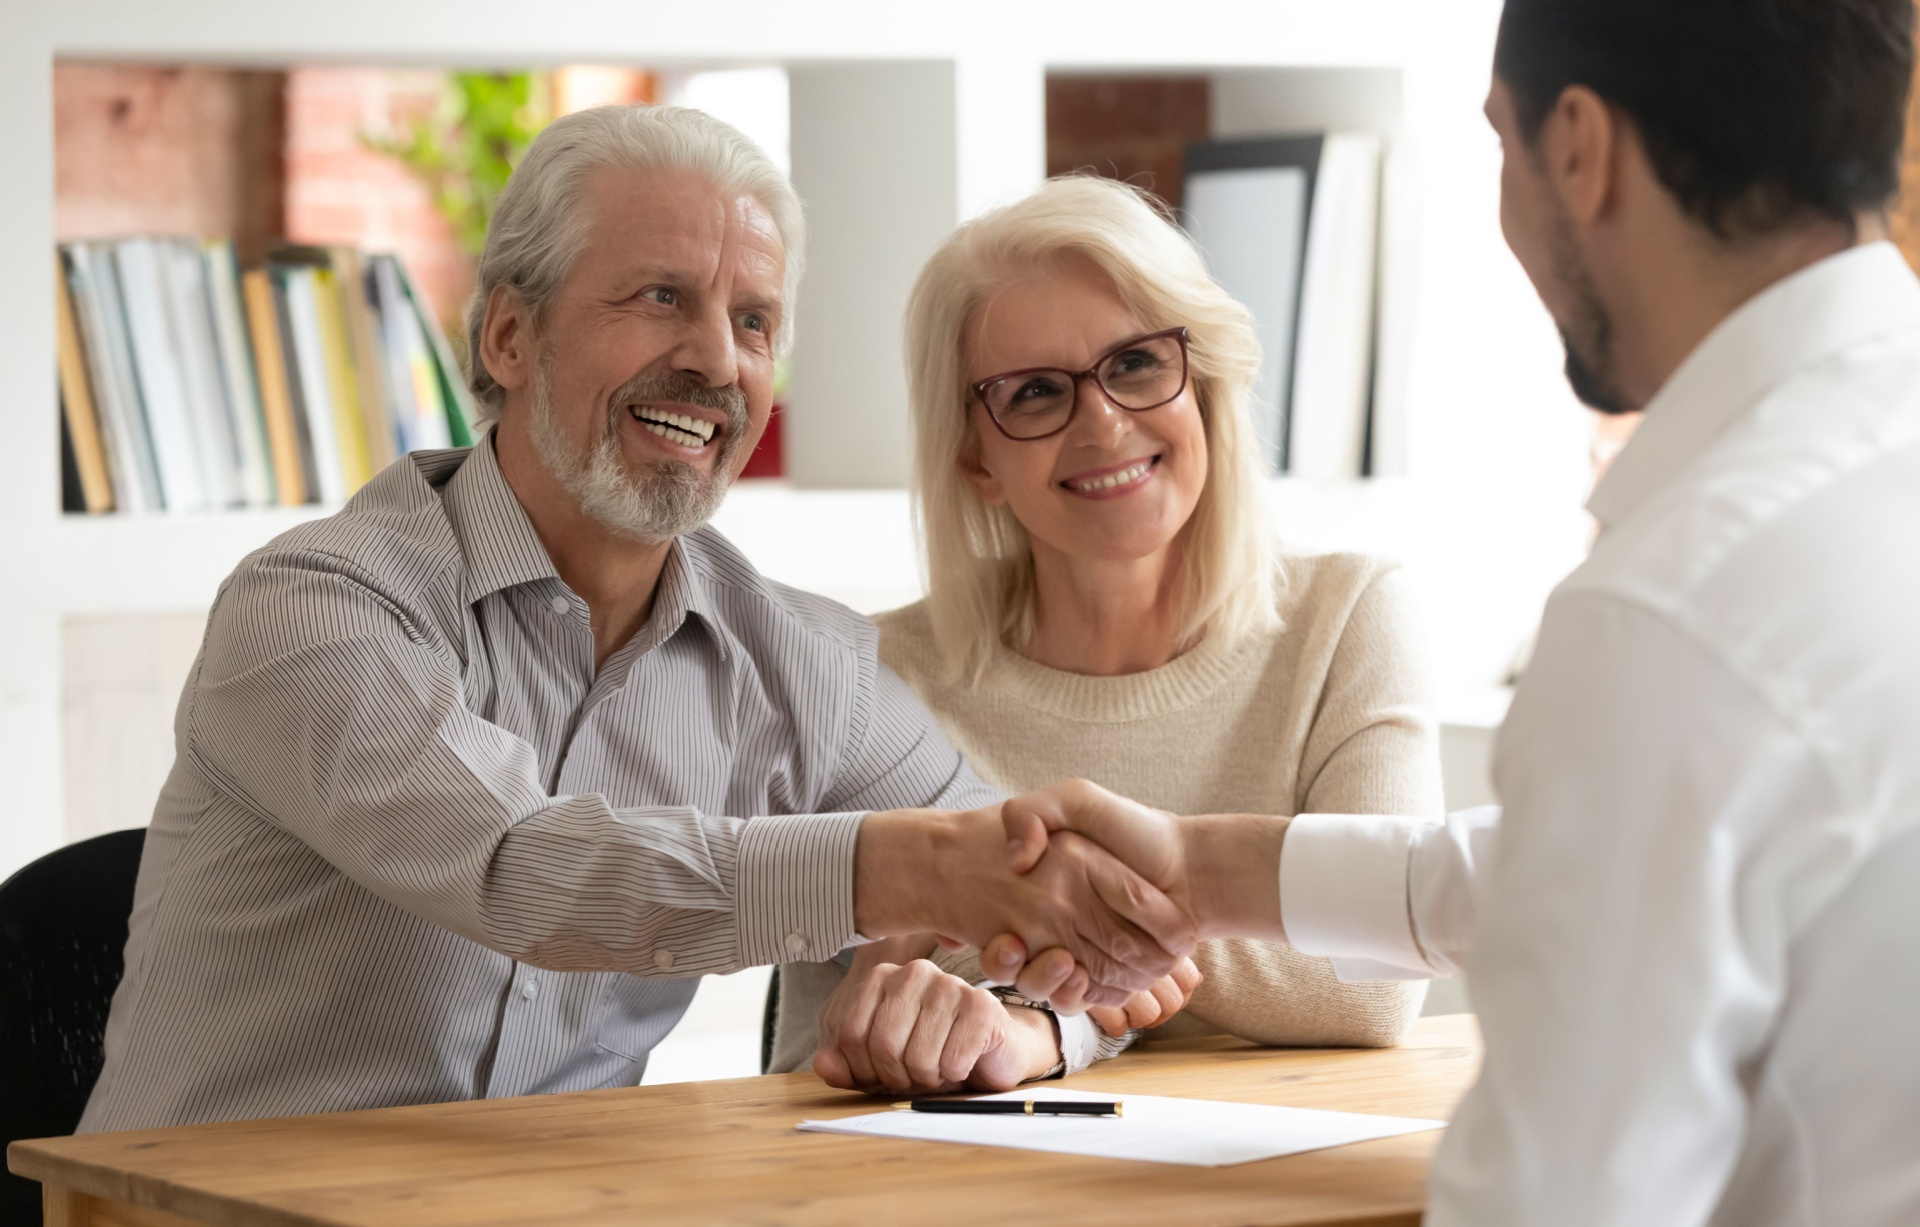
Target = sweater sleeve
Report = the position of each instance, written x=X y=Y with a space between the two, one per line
x=803 y=990
x=1373 y=749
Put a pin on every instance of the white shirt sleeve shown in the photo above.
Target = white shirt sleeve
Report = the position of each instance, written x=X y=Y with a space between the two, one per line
x=1385 y=898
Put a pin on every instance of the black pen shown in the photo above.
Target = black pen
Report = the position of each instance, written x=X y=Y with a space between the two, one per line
x=1018 y=1107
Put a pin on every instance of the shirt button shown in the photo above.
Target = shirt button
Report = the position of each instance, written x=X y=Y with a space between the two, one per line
x=559 y=605
x=530 y=989
x=663 y=959
x=796 y=944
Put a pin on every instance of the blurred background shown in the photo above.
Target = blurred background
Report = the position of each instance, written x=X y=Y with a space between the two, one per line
x=240 y=235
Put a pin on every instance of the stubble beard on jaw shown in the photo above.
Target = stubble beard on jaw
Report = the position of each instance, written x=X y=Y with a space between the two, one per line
x=1588 y=335
x=670 y=497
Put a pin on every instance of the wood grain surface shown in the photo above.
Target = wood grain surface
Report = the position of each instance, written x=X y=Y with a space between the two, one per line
x=727 y=1152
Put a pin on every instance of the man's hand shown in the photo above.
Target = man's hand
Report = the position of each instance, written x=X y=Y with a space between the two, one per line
x=1223 y=870
x=958 y=874
x=910 y=1028
x=1168 y=996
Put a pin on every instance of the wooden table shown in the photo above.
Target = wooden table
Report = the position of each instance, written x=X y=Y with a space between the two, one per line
x=727 y=1152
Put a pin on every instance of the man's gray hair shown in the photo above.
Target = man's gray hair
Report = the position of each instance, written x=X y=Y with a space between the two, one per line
x=539 y=227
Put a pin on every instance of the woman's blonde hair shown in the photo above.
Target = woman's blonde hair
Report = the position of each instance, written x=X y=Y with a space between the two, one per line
x=979 y=562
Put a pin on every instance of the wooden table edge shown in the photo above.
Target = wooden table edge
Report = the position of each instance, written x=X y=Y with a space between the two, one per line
x=78 y=1192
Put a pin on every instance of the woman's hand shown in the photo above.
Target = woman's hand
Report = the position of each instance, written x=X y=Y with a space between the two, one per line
x=912 y=1028
x=1152 y=1006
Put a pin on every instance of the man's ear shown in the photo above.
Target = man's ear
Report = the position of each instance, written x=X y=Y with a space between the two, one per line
x=506 y=340
x=1580 y=147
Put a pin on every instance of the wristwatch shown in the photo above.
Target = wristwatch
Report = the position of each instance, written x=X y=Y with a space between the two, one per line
x=1009 y=995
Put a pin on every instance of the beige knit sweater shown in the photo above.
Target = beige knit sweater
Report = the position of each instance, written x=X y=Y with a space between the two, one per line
x=1326 y=714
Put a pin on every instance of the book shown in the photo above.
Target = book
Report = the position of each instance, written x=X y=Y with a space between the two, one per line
x=96 y=297
x=233 y=341
x=423 y=418
x=156 y=367
x=363 y=347
x=1290 y=227
x=1246 y=204
x=343 y=381
x=187 y=384
x=80 y=418
x=1333 y=372
x=276 y=404
x=453 y=393
x=204 y=395
x=72 y=496
x=307 y=376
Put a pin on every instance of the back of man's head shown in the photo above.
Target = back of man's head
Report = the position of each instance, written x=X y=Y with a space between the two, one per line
x=1754 y=113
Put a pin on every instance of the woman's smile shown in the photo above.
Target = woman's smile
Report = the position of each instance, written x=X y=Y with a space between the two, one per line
x=1114 y=480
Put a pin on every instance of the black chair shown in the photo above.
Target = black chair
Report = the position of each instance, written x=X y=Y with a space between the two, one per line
x=63 y=926
x=769 y=1020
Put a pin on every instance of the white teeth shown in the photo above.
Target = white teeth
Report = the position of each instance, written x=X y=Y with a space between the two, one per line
x=1124 y=477
x=677 y=427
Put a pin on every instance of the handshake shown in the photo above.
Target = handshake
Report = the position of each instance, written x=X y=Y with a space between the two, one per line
x=1076 y=896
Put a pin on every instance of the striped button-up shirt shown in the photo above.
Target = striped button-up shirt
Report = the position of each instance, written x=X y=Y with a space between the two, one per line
x=416 y=848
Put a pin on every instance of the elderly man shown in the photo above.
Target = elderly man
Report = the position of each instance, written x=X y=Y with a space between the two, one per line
x=476 y=777
x=1694 y=929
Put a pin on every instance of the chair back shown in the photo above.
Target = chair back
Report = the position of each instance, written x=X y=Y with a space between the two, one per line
x=63 y=927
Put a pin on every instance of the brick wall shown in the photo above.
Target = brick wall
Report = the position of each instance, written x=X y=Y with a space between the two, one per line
x=1133 y=128
x=340 y=191
x=142 y=149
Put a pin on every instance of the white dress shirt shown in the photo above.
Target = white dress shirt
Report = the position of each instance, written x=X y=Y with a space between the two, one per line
x=1694 y=935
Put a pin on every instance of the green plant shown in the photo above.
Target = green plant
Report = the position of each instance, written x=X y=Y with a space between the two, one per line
x=469 y=146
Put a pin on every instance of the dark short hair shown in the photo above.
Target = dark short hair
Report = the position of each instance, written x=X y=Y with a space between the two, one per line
x=1754 y=113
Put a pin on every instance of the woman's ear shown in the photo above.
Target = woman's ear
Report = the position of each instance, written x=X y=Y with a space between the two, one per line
x=986 y=486
x=506 y=349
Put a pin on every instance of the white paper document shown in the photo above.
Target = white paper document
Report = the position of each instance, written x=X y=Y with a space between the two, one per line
x=1155 y=1129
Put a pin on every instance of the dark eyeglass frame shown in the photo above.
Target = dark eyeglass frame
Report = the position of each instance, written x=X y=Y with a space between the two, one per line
x=979 y=389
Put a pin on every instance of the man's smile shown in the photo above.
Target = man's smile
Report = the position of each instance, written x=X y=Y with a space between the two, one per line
x=682 y=425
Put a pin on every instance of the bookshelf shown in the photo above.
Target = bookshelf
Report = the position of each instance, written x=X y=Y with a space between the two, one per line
x=905 y=120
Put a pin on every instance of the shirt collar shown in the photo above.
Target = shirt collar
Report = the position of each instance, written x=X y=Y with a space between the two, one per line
x=502 y=550
x=1836 y=303
x=681 y=591
x=496 y=537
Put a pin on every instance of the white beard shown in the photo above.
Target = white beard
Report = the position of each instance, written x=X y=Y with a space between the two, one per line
x=670 y=499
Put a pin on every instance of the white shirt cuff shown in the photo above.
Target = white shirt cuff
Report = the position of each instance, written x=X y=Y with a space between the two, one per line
x=1079 y=1041
x=1343 y=894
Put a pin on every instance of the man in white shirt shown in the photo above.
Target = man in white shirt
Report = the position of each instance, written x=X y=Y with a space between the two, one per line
x=1694 y=931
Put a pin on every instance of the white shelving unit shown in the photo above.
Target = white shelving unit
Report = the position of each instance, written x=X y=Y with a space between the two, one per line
x=905 y=120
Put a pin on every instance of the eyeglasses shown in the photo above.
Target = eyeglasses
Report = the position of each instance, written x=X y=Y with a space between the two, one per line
x=1137 y=375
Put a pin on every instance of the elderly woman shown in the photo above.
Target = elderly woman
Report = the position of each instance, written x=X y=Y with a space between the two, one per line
x=1103 y=601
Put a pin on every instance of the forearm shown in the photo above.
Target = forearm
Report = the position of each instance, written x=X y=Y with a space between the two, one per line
x=896 y=890
x=1232 y=866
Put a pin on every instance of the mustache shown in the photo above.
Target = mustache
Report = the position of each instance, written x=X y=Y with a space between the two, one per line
x=650 y=386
